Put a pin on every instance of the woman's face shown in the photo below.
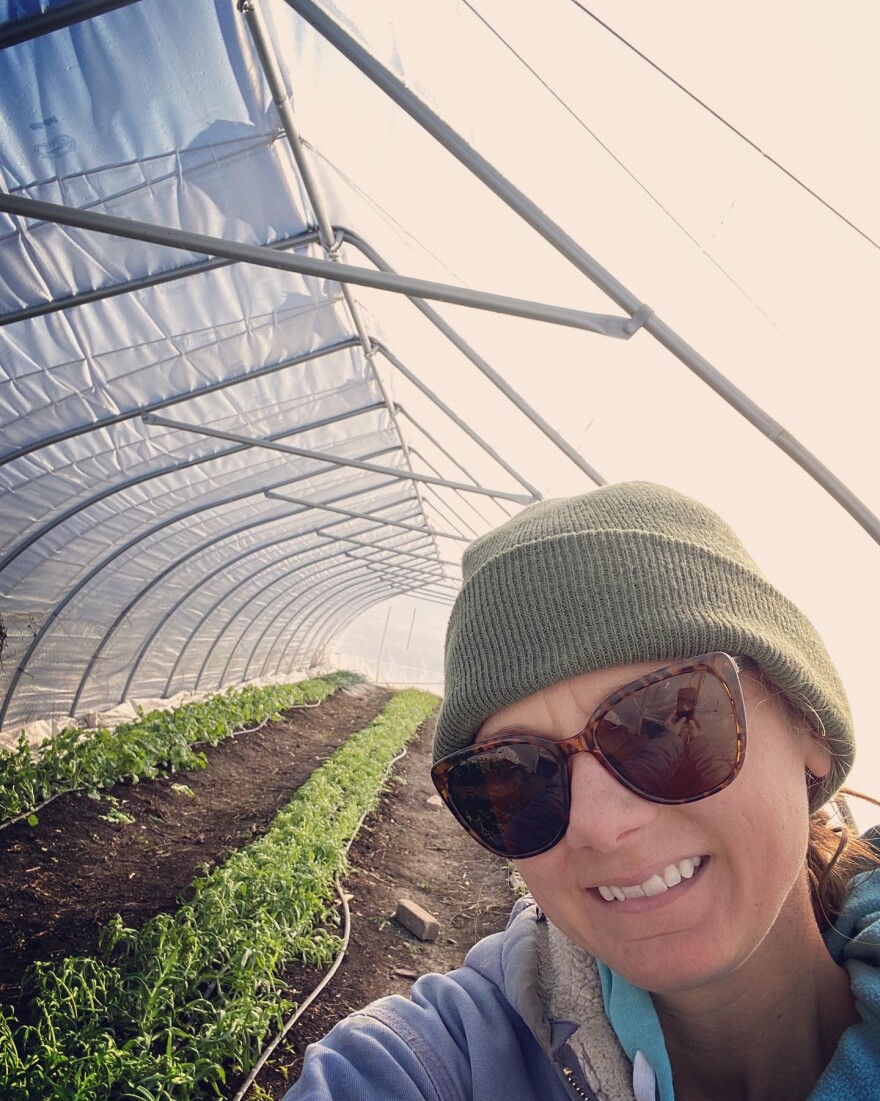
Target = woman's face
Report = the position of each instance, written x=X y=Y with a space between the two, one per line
x=750 y=840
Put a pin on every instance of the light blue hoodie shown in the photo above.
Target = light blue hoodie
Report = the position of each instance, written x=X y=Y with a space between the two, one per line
x=481 y=1032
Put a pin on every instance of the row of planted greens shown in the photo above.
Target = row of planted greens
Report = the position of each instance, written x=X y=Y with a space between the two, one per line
x=168 y=1011
x=158 y=741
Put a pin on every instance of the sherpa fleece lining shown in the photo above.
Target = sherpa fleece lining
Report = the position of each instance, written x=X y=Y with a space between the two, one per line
x=571 y=991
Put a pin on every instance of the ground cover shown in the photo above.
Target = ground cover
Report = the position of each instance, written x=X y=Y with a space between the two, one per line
x=162 y=1010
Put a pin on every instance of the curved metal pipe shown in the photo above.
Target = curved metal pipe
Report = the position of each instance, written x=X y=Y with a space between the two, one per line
x=232 y=618
x=332 y=606
x=173 y=469
x=352 y=579
x=335 y=623
x=23 y=30
x=164 y=403
x=346 y=614
x=256 y=648
x=148 y=641
x=184 y=271
x=241 y=637
x=195 y=630
x=84 y=581
x=300 y=596
x=316 y=625
x=177 y=564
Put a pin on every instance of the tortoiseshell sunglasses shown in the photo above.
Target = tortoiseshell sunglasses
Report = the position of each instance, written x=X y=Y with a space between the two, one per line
x=675 y=735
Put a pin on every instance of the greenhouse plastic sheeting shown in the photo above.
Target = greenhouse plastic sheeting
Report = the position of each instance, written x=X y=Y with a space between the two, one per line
x=178 y=428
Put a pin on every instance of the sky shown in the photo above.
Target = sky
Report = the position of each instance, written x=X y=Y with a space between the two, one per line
x=765 y=279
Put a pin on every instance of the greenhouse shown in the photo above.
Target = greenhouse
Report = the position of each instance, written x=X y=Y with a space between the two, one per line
x=298 y=298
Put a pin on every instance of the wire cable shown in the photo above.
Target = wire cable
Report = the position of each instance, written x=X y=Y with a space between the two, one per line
x=753 y=145
x=643 y=187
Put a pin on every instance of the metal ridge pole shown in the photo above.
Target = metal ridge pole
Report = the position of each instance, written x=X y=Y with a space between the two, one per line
x=584 y=262
x=321 y=456
x=275 y=496
x=265 y=256
x=442 y=132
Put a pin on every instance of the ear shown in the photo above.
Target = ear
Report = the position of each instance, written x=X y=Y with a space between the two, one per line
x=817 y=756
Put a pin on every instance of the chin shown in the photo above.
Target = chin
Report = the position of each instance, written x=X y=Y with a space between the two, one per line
x=673 y=972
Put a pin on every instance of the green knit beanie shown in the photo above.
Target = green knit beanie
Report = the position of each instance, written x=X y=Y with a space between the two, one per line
x=627 y=573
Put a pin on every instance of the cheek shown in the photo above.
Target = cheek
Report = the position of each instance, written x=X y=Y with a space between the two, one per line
x=543 y=875
x=768 y=804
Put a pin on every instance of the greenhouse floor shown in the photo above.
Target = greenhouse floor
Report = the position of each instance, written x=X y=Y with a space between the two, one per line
x=136 y=853
x=64 y=879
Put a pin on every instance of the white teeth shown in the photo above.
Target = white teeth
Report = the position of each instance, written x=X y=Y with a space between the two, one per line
x=671 y=876
x=654 y=886
x=658 y=884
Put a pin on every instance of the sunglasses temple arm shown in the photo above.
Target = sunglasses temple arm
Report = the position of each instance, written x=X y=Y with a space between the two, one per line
x=844 y=813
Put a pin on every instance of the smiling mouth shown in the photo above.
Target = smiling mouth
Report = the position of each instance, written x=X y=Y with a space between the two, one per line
x=658 y=884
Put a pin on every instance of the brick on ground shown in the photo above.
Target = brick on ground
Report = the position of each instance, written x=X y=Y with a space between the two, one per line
x=417 y=920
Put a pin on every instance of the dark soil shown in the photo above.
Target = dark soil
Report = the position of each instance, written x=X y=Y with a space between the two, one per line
x=63 y=880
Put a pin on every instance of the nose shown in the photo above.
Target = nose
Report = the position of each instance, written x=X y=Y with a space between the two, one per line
x=603 y=812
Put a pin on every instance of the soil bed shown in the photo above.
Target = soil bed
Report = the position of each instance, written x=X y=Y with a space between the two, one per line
x=64 y=879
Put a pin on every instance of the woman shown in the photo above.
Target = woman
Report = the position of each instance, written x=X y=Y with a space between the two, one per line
x=648 y=729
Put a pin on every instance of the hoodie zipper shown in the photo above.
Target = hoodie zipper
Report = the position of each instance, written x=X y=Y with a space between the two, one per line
x=573 y=1083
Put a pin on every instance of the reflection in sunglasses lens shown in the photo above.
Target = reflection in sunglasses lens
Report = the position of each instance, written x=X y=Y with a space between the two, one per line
x=674 y=739
x=515 y=797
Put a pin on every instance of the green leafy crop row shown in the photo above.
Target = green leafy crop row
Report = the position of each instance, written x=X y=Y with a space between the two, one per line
x=167 y=1011
x=140 y=749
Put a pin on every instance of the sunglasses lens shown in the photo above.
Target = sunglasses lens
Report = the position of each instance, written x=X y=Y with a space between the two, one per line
x=676 y=739
x=514 y=797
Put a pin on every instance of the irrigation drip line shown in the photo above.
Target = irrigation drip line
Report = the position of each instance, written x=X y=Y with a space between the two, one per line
x=334 y=967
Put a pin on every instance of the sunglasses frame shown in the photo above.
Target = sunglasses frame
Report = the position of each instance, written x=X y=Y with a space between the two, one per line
x=719 y=664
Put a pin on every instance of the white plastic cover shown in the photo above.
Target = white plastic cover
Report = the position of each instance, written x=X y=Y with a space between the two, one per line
x=140 y=560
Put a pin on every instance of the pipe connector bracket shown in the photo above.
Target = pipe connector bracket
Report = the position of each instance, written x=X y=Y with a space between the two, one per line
x=638 y=319
x=332 y=249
